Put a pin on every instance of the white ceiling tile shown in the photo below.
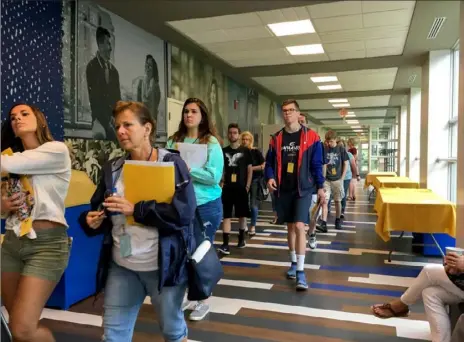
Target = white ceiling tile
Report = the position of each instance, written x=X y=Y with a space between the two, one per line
x=241 y=45
x=234 y=20
x=347 y=22
x=362 y=34
x=385 y=42
x=335 y=9
x=300 y=39
x=282 y=15
x=245 y=33
x=387 y=51
x=209 y=36
x=334 y=56
x=344 y=46
x=369 y=101
x=315 y=104
x=381 y=6
x=240 y=63
x=390 y=18
x=267 y=54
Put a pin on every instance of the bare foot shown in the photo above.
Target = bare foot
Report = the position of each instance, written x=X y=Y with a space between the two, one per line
x=395 y=308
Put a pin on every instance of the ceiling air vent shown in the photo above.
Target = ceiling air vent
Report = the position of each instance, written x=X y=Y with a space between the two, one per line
x=436 y=27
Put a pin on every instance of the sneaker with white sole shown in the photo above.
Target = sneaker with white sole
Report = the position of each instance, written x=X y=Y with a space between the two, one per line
x=199 y=311
x=312 y=241
x=186 y=304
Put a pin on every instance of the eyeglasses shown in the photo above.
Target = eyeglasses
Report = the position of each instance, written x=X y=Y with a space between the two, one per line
x=290 y=110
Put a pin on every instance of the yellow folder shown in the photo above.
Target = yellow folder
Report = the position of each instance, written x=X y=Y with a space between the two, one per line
x=146 y=181
x=26 y=224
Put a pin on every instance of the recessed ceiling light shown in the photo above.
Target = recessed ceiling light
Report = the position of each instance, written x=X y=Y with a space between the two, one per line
x=356 y=127
x=357 y=130
x=312 y=49
x=289 y=28
x=350 y=116
x=330 y=87
x=321 y=79
x=352 y=122
x=341 y=105
x=337 y=100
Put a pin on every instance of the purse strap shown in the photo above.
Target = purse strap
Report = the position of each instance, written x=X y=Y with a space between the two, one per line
x=197 y=217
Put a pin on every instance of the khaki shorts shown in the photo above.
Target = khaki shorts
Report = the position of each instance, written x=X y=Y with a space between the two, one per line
x=334 y=188
x=45 y=257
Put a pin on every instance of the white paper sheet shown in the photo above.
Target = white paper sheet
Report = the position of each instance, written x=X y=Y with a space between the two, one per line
x=195 y=155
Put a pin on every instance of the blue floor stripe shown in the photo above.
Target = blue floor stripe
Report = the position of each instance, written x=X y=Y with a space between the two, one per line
x=393 y=271
x=240 y=264
x=354 y=289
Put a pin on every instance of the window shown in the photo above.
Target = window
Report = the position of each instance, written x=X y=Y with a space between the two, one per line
x=453 y=126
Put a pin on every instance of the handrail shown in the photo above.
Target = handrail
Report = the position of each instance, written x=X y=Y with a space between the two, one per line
x=447 y=160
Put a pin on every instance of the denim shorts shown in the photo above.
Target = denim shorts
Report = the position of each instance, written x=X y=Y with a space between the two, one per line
x=45 y=257
x=125 y=293
x=292 y=208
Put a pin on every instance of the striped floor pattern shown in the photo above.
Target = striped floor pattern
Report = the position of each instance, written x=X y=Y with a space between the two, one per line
x=254 y=302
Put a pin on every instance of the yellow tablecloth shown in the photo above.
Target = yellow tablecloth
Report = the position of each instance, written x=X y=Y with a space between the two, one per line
x=372 y=175
x=395 y=182
x=413 y=210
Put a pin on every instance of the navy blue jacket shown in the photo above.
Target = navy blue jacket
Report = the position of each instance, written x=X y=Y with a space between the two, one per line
x=310 y=161
x=174 y=222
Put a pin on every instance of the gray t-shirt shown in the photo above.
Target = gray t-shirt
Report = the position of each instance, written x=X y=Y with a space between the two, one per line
x=334 y=158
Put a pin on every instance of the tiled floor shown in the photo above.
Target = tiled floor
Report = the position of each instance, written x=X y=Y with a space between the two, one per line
x=254 y=302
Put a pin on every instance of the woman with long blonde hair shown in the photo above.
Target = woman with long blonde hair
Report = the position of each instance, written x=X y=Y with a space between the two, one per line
x=257 y=158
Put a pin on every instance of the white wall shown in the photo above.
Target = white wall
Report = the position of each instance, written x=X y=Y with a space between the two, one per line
x=414 y=126
x=435 y=114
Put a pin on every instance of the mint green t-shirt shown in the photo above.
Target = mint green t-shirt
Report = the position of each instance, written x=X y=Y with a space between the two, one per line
x=206 y=179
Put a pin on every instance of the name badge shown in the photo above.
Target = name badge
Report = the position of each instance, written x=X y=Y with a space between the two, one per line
x=290 y=167
x=125 y=245
x=334 y=171
x=233 y=178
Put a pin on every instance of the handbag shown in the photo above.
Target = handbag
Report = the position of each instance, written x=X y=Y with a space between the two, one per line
x=204 y=269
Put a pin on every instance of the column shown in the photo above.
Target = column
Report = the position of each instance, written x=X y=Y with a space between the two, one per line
x=460 y=166
x=414 y=133
x=436 y=96
x=402 y=143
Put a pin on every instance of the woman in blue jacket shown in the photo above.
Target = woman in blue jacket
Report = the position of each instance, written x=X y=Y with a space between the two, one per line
x=147 y=258
x=196 y=127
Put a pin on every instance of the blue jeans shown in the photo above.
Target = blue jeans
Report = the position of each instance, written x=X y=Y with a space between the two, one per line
x=211 y=215
x=124 y=294
x=346 y=186
x=254 y=202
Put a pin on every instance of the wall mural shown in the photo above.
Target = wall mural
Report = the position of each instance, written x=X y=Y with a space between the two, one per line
x=31 y=59
x=115 y=60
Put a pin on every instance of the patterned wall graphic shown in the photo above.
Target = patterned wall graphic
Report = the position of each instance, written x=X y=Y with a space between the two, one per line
x=193 y=78
x=31 y=58
x=227 y=100
x=115 y=60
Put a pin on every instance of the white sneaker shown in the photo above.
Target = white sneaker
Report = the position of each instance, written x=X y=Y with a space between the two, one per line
x=312 y=242
x=199 y=312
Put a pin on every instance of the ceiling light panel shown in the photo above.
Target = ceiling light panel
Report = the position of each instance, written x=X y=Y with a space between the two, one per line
x=322 y=79
x=330 y=87
x=290 y=28
x=338 y=100
x=352 y=122
x=341 y=105
x=311 y=49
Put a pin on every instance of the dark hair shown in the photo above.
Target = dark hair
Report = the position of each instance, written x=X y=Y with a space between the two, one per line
x=206 y=129
x=101 y=34
x=142 y=113
x=234 y=125
x=155 y=67
x=330 y=135
x=289 y=102
x=9 y=140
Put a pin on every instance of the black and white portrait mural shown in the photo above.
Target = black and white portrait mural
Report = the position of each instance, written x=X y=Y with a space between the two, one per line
x=115 y=61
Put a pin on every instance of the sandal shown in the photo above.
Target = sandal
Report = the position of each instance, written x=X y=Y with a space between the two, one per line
x=387 y=306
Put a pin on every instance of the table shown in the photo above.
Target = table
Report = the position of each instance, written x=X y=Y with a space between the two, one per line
x=413 y=210
x=395 y=182
x=371 y=176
